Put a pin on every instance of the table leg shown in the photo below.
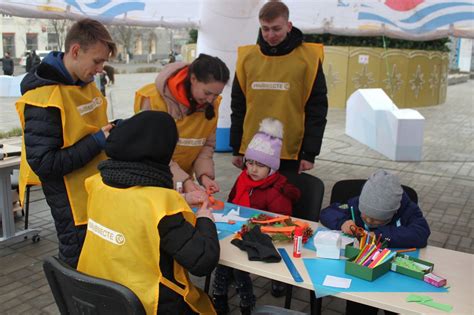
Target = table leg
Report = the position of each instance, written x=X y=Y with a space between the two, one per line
x=8 y=224
x=6 y=204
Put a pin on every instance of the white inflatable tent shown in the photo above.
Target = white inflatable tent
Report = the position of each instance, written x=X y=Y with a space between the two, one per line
x=225 y=24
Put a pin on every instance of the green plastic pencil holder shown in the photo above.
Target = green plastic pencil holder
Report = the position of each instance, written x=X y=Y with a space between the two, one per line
x=411 y=273
x=366 y=273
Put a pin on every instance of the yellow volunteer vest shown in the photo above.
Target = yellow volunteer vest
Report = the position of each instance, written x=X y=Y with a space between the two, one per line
x=277 y=87
x=193 y=129
x=87 y=117
x=26 y=177
x=124 y=247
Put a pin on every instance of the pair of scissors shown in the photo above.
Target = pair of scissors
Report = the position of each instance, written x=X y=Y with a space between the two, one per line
x=357 y=231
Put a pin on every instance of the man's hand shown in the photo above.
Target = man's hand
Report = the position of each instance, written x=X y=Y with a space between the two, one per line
x=238 y=161
x=305 y=166
x=106 y=130
x=210 y=185
x=346 y=227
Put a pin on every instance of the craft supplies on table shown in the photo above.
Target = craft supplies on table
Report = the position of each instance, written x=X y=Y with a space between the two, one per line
x=356 y=259
x=328 y=244
x=435 y=280
x=411 y=266
x=290 y=265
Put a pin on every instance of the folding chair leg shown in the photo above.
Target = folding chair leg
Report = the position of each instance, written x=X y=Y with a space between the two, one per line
x=27 y=206
x=289 y=293
x=315 y=303
x=207 y=283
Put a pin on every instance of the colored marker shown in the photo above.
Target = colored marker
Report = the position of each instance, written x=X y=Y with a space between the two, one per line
x=387 y=258
x=352 y=213
x=379 y=257
x=406 y=250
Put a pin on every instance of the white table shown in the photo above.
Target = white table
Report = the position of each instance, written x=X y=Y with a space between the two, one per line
x=6 y=203
x=457 y=267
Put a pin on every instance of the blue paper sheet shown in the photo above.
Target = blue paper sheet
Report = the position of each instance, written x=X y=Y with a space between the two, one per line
x=318 y=269
x=226 y=229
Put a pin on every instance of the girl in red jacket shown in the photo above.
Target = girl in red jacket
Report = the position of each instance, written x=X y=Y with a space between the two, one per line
x=259 y=186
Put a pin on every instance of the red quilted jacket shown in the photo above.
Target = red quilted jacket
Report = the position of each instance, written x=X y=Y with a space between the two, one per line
x=277 y=196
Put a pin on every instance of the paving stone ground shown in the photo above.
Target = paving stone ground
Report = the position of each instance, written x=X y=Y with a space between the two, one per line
x=444 y=180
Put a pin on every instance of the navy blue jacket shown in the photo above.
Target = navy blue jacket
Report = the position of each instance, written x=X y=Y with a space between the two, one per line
x=43 y=136
x=408 y=227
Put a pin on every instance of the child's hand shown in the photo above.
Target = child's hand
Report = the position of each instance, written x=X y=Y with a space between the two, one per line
x=346 y=227
x=195 y=197
x=210 y=185
x=204 y=212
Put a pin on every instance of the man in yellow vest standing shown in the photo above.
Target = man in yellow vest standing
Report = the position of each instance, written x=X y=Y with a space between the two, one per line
x=280 y=77
x=141 y=233
x=65 y=125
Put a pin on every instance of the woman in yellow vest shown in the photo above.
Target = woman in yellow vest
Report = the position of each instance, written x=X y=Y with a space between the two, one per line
x=190 y=94
x=141 y=233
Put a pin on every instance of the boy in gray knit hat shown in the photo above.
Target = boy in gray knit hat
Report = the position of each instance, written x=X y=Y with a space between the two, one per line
x=380 y=198
x=382 y=208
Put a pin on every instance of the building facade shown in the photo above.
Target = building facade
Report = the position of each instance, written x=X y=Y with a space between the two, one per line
x=20 y=35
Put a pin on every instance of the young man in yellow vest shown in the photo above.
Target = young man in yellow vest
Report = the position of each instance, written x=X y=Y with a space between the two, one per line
x=141 y=233
x=64 y=120
x=280 y=77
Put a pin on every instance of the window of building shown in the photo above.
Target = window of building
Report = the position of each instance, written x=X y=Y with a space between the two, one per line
x=8 y=43
x=32 y=41
x=53 y=41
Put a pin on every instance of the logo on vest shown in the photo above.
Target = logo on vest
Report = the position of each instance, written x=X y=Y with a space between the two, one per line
x=190 y=142
x=89 y=107
x=280 y=86
x=260 y=145
x=105 y=233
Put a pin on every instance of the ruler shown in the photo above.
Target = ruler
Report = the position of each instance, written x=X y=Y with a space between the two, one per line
x=291 y=266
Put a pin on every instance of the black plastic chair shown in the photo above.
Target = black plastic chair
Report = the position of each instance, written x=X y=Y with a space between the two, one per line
x=78 y=293
x=312 y=193
x=308 y=207
x=346 y=189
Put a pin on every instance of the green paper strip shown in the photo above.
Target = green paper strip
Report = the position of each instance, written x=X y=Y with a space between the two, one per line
x=428 y=301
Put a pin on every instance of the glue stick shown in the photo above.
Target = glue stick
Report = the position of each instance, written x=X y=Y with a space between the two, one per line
x=297 y=242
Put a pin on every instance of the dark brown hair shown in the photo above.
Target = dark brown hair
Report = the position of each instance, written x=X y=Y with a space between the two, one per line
x=272 y=10
x=88 y=32
x=206 y=69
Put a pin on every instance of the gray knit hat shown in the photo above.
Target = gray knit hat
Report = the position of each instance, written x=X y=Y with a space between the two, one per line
x=381 y=195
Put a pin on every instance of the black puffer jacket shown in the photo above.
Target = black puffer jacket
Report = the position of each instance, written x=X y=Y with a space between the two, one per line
x=194 y=248
x=43 y=141
x=316 y=107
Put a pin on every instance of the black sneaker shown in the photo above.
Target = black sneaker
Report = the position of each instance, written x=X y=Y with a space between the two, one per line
x=278 y=288
x=247 y=303
x=220 y=304
x=246 y=310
